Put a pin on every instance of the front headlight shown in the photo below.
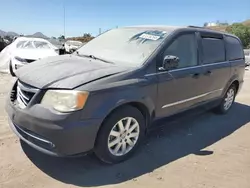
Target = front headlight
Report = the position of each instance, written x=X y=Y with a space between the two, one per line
x=20 y=59
x=65 y=100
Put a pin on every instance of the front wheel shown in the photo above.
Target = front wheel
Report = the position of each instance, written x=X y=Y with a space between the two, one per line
x=227 y=101
x=120 y=135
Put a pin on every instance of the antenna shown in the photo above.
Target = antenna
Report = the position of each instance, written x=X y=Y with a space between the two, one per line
x=64 y=19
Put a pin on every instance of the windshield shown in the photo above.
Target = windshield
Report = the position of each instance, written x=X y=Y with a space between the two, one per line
x=124 y=46
x=33 y=45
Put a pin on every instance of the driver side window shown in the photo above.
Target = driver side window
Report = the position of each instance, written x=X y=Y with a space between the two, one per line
x=184 y=47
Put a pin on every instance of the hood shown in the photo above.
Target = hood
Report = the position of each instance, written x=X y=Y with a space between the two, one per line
x=66 y=72
x=34 y=53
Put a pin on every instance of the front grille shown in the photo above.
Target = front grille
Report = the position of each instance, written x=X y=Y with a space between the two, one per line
x=29 y=60
x=22 y=94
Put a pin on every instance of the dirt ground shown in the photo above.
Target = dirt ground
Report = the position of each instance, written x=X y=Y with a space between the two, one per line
x=200 y=150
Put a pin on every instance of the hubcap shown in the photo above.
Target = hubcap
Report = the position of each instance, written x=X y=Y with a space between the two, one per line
x=229 y=99
x=123 y=136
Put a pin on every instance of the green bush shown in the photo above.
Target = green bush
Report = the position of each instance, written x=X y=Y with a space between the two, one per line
x=241 y=31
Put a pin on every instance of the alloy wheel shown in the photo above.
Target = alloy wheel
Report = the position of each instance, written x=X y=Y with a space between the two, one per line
x=123 y=136
x=229 y=99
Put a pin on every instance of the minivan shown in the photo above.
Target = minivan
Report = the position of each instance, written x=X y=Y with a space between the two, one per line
x=105 y=96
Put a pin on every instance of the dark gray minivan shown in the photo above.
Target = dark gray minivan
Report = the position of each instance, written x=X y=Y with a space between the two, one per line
x=105 y=96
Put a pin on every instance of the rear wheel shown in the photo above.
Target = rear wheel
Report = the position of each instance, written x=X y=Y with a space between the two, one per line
x=227 y=101
x=120 y=135
x=11 y=70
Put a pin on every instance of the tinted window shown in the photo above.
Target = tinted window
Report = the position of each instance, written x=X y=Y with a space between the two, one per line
x=234 y=48
x=184 y=47
x=213 y=50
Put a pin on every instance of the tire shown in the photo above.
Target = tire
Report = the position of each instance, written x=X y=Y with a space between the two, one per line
x=104 y=148
x=11 y=70
x=223 y=108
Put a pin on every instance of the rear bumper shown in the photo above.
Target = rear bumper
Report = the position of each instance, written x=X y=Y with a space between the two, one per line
x=60 y=136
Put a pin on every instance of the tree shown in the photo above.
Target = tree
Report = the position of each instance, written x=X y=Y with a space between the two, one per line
x=85 y=38
x=62 y=37
x=86 y=35
x=205 y=24
x=241 y=31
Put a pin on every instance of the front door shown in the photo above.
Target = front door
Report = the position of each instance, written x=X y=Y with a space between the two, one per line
x=180 y=88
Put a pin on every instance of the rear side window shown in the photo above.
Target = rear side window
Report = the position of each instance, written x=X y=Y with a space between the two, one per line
x=213 y=50
x=234 y=48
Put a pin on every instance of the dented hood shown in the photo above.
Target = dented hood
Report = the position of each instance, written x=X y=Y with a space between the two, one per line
x=66 y=71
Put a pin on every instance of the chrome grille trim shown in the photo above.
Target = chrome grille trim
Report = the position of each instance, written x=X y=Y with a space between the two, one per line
x=27 y=88
x=19 y=91
x=24 y=94
x=21 y=103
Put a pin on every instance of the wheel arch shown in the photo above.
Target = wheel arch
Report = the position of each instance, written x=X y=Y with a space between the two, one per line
x=136 y=104
x=233 y=80
x=237 y=84
x=140 y=106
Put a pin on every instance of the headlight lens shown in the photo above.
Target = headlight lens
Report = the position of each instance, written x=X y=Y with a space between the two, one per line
x=65 y=100
x=20 y=59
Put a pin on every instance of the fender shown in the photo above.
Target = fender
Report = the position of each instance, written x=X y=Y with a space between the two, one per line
x=103 y=102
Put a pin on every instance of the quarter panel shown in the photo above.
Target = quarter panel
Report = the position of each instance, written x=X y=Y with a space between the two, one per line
x=237 y=73
x=238 y=68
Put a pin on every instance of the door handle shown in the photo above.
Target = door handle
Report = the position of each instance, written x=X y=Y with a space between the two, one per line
x=195 y=75
x=208 y=73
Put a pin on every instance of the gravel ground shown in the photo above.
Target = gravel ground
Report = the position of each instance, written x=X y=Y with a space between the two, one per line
x=202 y=150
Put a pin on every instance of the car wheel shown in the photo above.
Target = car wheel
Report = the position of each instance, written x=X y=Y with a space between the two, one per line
x=11 y=70
x=227 y=101
x=120 y=135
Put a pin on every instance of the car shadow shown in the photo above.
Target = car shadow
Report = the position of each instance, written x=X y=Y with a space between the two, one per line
x=189 y=135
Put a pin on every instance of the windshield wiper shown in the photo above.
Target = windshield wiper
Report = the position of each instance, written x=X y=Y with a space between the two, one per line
x=93 y=57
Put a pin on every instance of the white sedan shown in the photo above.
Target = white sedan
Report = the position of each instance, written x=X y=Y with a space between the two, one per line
x=25 y=50
x=71 y=45
x=247 y=57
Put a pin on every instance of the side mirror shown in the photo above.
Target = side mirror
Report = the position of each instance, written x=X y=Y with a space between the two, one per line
x=170 y=62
